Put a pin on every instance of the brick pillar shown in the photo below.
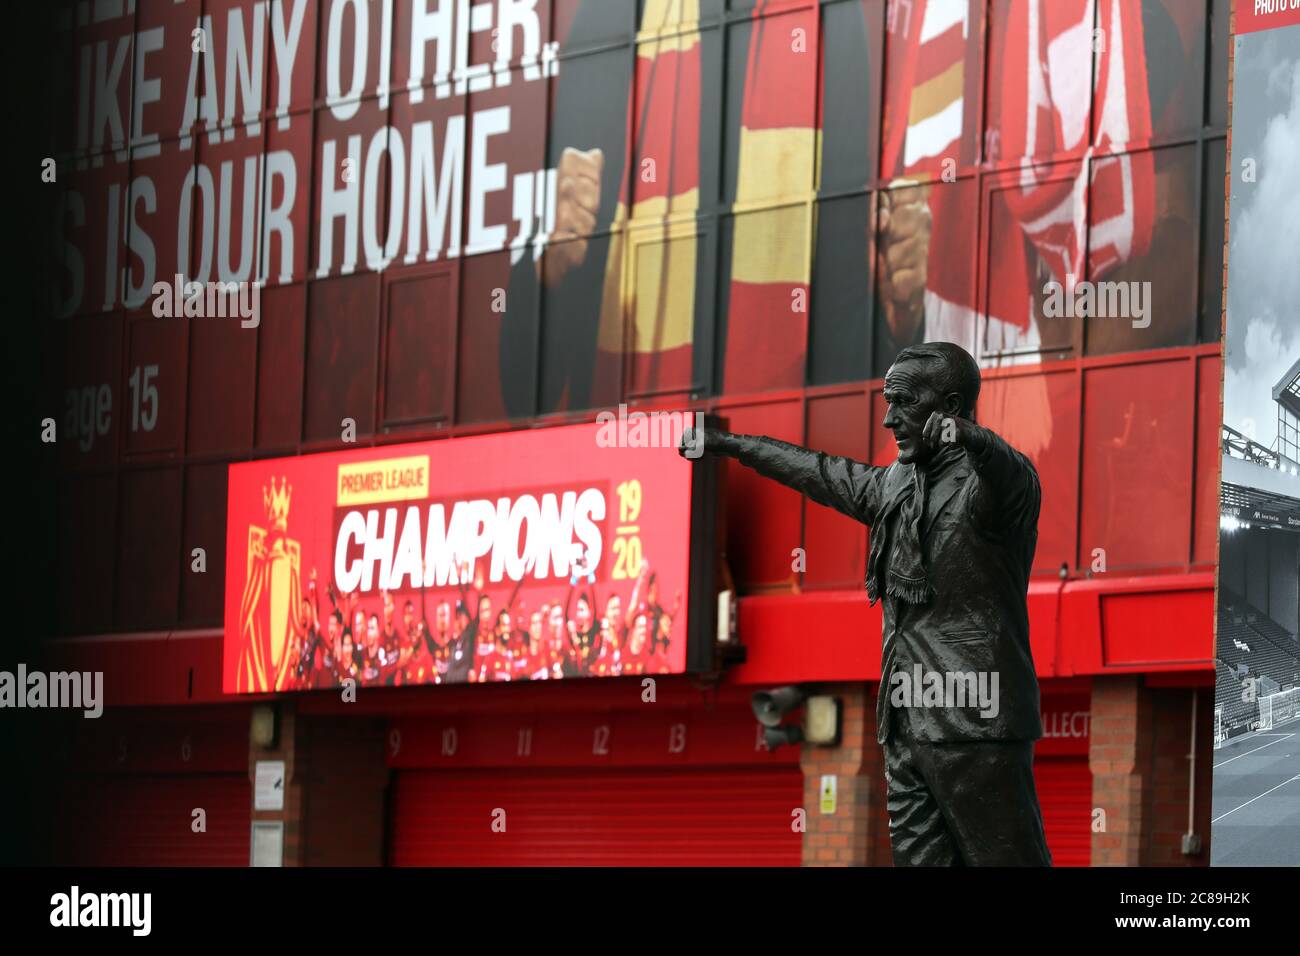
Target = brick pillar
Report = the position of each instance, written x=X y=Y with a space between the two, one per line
x=336 y=791
x=857 y=834
x=1169 y=780
x=1120 y=756
x=284 y=749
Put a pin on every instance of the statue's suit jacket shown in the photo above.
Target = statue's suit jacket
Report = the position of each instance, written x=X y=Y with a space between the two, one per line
x=978 y=534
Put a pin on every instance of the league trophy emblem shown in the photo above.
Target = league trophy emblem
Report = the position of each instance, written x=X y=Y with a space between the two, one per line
x=272 y=593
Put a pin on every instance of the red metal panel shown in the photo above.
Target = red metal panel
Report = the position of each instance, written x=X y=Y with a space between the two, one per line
x=350 y=165
x=222 y=383
x=286 y=198
x=484 y=280
x=527 y=737
x=349 y=38
x=420 y=345
x=136 y=668
x=1126 y=625
x=106 y=46
x=153 y=385
x=280 y=352
x=433 y=135
x=1038 y=414
x=161 y=198
x=1007 y=276
x=169 y=65
x=148 y=544
x=1137 y=629
x=836 y=545
x=137 y=741
x=87 y=551
x=155 y=669
x=763 y=517
x=1209 y=416
x=194 y=665
x=1044 y=601
x=835 y=635
x=237 y=25
x=817 y=636
x=607 y=817
x=295 y=72
x=204 y=527
x=228 y=206
x=342 y=339
x=1137 y=464
x=523 y=145
x=94 y=230
x=91 y=407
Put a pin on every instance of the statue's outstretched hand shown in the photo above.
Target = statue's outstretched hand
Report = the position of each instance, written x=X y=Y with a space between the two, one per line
x=694 y=443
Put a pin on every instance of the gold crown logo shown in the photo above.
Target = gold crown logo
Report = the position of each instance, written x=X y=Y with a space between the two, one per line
x=276 y=502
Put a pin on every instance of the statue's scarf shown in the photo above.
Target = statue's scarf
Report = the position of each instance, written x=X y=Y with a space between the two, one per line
x=905 y=574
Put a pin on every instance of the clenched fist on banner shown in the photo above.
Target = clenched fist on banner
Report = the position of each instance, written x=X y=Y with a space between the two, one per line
x=904 y=231
x=577 y=199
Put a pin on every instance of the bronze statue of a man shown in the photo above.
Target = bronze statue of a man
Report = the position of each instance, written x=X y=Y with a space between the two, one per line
x=954 y=523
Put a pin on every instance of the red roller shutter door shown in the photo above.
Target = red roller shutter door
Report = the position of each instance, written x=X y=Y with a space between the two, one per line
x=682 y=816
x=1065 y=795
x=1062 y=774
x=148 y=821
x=133 y=780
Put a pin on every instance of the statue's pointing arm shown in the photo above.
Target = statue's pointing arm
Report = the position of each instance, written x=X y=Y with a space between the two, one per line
x=850 y=487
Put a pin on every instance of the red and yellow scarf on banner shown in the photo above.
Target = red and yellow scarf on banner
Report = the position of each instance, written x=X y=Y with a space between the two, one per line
x=648 y=307
x=767 y=320
x=1041 y=51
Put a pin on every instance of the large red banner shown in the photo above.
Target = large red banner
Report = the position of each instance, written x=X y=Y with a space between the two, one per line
x=529 y=555
x=1256 y=15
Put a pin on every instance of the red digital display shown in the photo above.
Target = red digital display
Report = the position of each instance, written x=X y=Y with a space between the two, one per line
x=529 y=555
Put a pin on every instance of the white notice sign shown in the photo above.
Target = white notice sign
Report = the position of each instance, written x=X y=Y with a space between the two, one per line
x=268 y=785
x=268 y=843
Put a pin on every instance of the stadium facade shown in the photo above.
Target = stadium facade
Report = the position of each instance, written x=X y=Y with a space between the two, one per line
x=477 y=221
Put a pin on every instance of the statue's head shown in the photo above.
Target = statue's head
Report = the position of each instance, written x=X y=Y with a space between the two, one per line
x=935 y=377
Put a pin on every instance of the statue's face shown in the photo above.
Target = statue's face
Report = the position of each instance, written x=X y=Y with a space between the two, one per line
x=912 y=397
